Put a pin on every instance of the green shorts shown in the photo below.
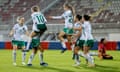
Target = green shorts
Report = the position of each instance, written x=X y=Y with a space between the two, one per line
x=35 y=43
x=42 y=27
x=89 y=43
x=18 y=43
x=68 y=31
x=80 y=43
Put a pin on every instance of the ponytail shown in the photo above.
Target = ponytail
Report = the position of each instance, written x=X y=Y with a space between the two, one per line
x=71 y=8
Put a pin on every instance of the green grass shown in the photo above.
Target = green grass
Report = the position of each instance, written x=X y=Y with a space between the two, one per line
x=57 y=63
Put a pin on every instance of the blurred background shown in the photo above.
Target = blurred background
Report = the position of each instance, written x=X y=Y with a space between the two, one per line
x=106 y=21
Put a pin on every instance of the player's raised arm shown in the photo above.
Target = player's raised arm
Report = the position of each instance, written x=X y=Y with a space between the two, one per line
x=56 y=17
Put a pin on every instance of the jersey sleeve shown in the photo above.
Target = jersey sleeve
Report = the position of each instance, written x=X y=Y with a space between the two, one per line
x=33 y=19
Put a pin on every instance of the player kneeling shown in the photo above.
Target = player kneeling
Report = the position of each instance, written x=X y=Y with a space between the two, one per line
x=102 y=50
x=35 y=44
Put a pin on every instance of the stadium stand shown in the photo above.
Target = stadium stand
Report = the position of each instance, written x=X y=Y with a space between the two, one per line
x=107 y=18
x=109 y=15
x=9 y=9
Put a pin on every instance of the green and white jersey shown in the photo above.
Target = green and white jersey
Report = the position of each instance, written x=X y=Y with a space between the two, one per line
x=68 y=16
x=38 y=18
x=19 y=31
x=77 y=25
x=86 y=31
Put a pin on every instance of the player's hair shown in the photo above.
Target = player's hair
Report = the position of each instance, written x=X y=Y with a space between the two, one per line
x=35 y=8
x=19 y=17
x=70 y=7
x=102 y=40
x=87 y=17
x=79 y=17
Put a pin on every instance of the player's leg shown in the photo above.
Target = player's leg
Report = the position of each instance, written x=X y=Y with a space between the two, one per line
x=107 y=57
x=89 y=58
x=42 y=63
x=15 y=45
x=69 y=38
x=34 y=51
x=93 y=53
x=40 y=28
x=34 y=45
x=41 y=33
x=33 y=33
x=60 y=36
x=88 y=44
x=78 y=46
x=82 y=55
x=23 y=52
x=69 y=33
x=76 y=56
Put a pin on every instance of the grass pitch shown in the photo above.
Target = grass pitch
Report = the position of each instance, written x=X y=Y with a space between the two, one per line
x=57 y=63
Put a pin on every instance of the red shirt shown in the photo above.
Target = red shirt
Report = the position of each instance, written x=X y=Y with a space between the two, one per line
x=101 y=48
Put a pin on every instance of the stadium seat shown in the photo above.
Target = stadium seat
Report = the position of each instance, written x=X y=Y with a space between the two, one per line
x=21 y=7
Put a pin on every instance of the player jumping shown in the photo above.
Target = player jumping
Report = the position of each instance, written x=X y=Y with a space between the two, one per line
x=39 y=27
x=39 y=24
x=68 y=16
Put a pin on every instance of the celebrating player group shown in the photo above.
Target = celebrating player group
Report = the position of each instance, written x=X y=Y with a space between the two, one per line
x=77 y=28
